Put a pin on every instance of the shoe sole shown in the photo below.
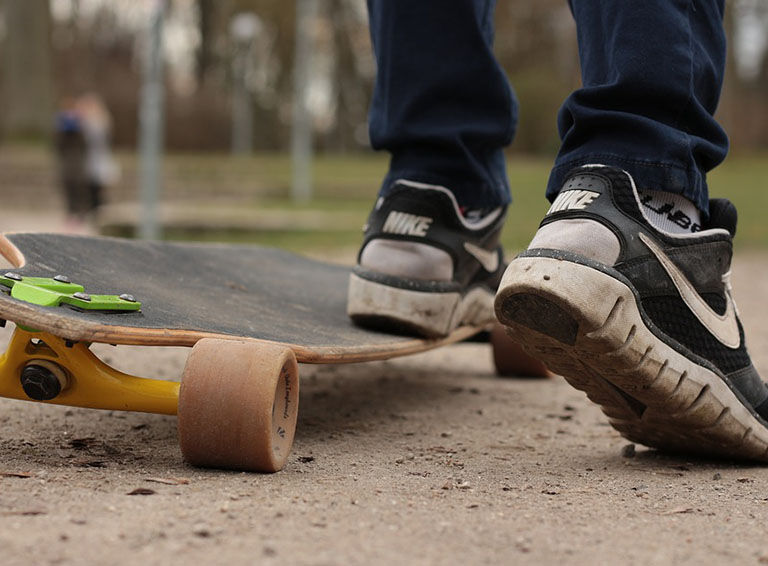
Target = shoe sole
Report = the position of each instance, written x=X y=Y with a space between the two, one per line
x=383 y=307
x=585 y=325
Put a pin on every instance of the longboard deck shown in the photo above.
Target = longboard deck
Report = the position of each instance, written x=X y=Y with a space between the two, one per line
x=194 y=291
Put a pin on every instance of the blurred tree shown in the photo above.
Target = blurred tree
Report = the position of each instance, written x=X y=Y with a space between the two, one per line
x=27 y=79
x=205 y=57
x=343 y=68
x=95 y=47
x=270 y=81
x=536 y=45
x=352 y=75
x=95 y=51
x=759 y=90
x=743 y=109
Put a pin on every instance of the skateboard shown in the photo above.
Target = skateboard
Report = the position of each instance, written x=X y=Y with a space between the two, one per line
x=250 y=315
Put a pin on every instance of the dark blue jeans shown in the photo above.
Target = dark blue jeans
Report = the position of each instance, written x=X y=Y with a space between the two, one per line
x=652 y=71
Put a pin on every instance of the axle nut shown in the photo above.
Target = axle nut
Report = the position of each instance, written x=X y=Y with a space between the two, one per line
x=43 y=380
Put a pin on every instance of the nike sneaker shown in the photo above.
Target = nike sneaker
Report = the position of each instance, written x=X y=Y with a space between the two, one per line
x=426 y=267
x=640 y=319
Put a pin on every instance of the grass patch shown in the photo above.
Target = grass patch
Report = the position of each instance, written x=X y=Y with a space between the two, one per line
x=349 y=183
x=742 y=180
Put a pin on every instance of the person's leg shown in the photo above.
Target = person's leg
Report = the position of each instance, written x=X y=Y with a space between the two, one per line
x=652 y=72
x=96 y=195
x=616 y=292
x=70 y=196
x=442 y=108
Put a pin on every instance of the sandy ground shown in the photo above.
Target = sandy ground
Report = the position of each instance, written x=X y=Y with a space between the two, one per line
x=423 y=460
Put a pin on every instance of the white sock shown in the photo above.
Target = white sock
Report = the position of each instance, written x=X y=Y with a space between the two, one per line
x=670 y=212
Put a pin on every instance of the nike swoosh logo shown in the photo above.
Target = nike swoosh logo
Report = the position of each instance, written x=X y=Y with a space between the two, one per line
x=488 y=259
x=723 y=327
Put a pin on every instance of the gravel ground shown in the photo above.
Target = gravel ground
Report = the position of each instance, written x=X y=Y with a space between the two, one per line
x=422 y=460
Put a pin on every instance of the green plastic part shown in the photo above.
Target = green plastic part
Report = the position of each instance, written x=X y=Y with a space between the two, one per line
x=49 y=292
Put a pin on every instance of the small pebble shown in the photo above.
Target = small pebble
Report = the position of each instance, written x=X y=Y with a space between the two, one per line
x=628 y=451
x=201 y=531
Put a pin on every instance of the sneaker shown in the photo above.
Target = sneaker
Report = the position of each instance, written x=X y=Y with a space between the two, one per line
x=423 y=267
x=641 y=320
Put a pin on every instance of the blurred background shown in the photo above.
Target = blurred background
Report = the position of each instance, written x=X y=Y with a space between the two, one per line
x=245 y=120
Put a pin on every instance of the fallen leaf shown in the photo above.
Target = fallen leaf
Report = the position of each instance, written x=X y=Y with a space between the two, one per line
x=90 y=463
x=82 y=443
x=169 y=481
x=678 y=511
x=142 y=491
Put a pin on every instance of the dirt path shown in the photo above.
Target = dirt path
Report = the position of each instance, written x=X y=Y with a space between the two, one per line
x=425 y=460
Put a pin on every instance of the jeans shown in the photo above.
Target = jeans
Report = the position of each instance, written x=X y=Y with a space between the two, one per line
x=652 y=71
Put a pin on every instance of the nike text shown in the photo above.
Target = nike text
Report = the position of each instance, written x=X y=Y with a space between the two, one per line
x=407 y=224
x=573 y=200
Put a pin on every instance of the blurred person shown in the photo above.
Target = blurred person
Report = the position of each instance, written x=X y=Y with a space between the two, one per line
x=71 y=150
x=625 y=288
x=100 y=166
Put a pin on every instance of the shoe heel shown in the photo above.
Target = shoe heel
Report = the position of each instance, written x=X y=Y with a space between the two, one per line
x=405 y=311
x=383 y=307
x=562 y=300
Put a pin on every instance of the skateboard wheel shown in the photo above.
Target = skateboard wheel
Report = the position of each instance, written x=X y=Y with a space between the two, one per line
x=238 y=405
x=511 y=360
x=43 y=380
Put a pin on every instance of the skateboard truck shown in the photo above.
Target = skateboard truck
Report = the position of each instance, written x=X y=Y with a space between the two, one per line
x=39 y=366
x=59 y=290
x=44 y=379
